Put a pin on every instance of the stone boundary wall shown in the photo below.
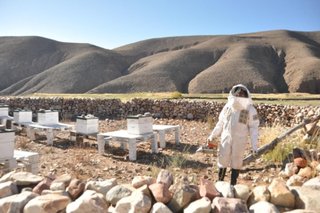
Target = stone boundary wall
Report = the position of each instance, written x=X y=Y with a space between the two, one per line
x=169 y=109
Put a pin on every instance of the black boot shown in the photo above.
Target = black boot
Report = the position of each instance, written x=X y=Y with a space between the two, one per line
x=222 y=173
x=234 y=176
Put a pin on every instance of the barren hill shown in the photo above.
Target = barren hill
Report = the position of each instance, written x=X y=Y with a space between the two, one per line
x=273 y=61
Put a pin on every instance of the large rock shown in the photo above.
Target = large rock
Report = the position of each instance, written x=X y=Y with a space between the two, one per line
x=60 y=192
x=75 y=188
x=313 y=183
x=306 y=198
x=139 y=181
x=16 y=203
x=8 y=188
x=64 y=179
x=264 y=207
x=160 y=208
x=289 y=170
x=207 y=189
x=145 y=190
x=43 y=185
x=165 y=177
x=26 y=179
x=242 y=192
x=280 y=193
x=57 y=186
x=7 y=177
x=202 y=205
x=182 y=197
x=295 y=180
x=137 y=202
x=224 y=188
x=306 y=172
x=259 y=193
x=160 y=192
x=222 y=204
x=89 y=201
x=116 y=193
x=300 y=211
x=101 y=186
x=47 y=204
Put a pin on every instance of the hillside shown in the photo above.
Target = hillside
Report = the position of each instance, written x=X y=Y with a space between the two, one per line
x=273 y=61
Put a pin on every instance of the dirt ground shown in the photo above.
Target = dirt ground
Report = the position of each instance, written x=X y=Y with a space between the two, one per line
x=83 y=161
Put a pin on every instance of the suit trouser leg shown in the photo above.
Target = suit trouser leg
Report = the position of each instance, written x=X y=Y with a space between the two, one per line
x=234 y=176
x=222 y=173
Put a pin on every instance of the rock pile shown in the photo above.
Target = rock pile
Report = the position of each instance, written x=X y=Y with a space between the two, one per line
x=169 y=109
x=25 y=192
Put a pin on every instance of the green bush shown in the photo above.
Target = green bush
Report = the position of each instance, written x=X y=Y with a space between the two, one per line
x=176 y=95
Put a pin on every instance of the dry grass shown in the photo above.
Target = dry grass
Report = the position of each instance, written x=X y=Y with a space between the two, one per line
x=172 y=163
x=178 y=161
x=49 y=150
x=176 y=95
x=121 y=96
x=284 y=147
x=280 y=152
x=268 y=134
x=211 y=122
x=23 y=144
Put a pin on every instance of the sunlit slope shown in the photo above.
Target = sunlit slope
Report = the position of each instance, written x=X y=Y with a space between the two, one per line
x=266 y=62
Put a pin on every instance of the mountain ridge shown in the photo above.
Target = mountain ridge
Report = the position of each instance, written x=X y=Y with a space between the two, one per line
x=266 y=62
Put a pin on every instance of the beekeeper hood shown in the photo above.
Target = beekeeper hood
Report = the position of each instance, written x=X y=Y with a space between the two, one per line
x=239 y=98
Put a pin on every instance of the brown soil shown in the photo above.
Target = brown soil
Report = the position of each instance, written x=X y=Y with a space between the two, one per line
x=83 y=161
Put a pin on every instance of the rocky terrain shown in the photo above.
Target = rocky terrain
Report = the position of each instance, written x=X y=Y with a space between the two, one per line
x=261 y=182
x=84 y=162
x=266 y=62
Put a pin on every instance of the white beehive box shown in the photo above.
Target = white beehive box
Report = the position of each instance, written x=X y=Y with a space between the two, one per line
x=87 y=125
x=22 y=116
x=7 y=138
x=139 y=124
x=30 y=159
x=48 y=117
x=4 y=110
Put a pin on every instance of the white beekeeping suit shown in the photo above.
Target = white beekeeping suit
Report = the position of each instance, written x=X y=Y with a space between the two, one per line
x=238 y=123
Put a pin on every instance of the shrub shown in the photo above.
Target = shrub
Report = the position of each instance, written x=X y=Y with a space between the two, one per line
x=283 y=148
x=176 y=95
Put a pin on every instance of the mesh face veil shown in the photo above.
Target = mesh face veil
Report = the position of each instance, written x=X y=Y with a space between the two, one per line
x=240 y=92
x=239 y=98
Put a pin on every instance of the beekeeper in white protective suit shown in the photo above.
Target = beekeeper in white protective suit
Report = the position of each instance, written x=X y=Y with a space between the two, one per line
x=238 y=123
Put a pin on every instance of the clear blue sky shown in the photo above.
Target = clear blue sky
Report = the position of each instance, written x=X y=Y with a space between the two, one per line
x=112 y=23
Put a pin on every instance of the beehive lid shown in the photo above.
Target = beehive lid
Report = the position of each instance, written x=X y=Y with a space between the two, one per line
x=147 y=114
x=45 y=111
x=134 y=116
x=6 y=130
x=21 y=110
x=86 y=117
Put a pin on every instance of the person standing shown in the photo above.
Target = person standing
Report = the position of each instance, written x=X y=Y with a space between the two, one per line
x=238 y=122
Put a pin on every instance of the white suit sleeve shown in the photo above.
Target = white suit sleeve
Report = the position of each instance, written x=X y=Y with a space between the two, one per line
x=253 y=127
x=216 y=132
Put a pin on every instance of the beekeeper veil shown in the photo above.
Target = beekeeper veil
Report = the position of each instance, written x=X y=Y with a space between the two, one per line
x=239 y=98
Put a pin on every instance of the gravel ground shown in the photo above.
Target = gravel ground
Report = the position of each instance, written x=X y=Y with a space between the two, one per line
x=83 y=161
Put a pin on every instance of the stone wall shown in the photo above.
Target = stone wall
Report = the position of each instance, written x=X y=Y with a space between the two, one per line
x=175 y=109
